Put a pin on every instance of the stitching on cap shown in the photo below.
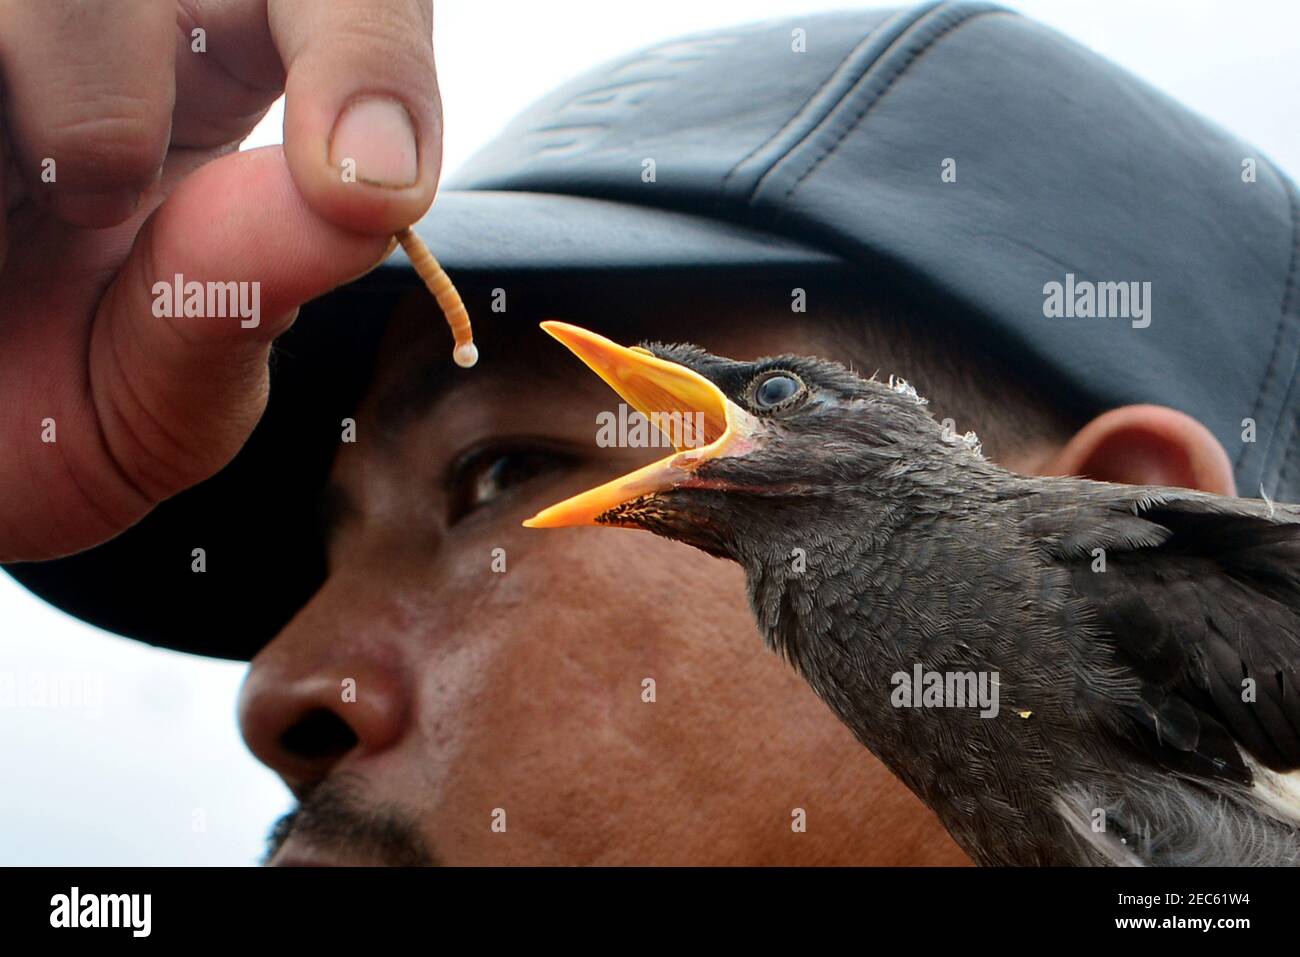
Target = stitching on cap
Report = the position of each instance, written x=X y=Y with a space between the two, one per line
x=902 y=68
x=803 y=110
x=1271 y=370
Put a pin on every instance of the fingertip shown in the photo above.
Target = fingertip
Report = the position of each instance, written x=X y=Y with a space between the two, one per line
x=363 y=123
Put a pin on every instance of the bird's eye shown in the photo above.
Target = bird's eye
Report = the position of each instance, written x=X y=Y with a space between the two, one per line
x=480 y=476
x=777 y=389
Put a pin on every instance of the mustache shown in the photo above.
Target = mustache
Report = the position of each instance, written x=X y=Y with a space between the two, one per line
x=333 y=816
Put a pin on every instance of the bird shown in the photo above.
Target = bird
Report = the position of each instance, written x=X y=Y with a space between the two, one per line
x=1066 y=671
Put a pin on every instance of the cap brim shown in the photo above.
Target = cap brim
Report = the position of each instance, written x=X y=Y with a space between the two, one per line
x=479 y=231
x=257 y=520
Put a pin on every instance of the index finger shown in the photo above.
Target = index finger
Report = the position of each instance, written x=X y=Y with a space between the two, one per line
x=88 y=91
x=363 y=119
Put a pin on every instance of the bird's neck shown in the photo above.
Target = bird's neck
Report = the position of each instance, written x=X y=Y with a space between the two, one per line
x=851 y=596
x=825 y=566
x=815 y=577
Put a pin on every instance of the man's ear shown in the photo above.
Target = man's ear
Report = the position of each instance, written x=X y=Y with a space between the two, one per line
x=1147 y=445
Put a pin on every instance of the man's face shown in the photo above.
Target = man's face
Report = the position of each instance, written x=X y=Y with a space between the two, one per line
x=468 y=691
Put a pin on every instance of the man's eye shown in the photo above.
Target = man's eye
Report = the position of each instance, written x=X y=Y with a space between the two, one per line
x=481 y=476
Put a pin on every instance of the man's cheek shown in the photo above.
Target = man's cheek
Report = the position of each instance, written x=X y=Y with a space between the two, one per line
x=582 y=726
x=579 y=619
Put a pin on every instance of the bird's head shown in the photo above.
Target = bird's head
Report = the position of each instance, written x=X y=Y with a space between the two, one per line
x=759 y=446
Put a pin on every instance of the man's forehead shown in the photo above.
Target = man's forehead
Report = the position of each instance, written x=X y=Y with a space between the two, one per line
x=415 y=373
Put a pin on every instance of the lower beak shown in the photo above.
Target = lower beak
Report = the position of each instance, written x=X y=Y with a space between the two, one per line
x=702 y=422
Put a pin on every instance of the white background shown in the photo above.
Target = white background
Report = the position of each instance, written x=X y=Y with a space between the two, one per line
x=129 y=779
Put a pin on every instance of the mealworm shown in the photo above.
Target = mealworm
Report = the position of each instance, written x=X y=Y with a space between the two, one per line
x=453 y=309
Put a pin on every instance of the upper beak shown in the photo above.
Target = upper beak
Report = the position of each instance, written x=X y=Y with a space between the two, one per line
x=654 y=387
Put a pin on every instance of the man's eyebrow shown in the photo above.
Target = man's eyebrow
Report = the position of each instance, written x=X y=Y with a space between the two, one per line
x=412 y=396
x=420 y=387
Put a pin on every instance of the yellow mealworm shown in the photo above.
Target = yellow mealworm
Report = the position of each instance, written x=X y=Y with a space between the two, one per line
x=453 y=309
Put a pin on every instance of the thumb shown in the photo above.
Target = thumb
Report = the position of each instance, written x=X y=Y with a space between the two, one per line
x=362 y=114
x=178 y=355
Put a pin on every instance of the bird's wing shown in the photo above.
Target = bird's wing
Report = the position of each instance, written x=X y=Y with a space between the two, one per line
x=1201 y=597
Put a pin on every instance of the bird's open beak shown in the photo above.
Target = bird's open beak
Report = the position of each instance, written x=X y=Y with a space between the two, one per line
x=702 y=422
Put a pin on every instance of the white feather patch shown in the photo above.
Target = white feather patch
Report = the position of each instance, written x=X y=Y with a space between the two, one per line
x=1279 y=792
x=1074 y=808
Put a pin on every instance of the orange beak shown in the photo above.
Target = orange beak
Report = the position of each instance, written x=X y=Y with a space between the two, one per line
x=664 y=392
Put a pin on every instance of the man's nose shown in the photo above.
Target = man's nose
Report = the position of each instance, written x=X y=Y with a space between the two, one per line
x=314 y=699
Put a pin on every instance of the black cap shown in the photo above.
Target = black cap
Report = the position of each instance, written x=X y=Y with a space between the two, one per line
x=968 y=154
